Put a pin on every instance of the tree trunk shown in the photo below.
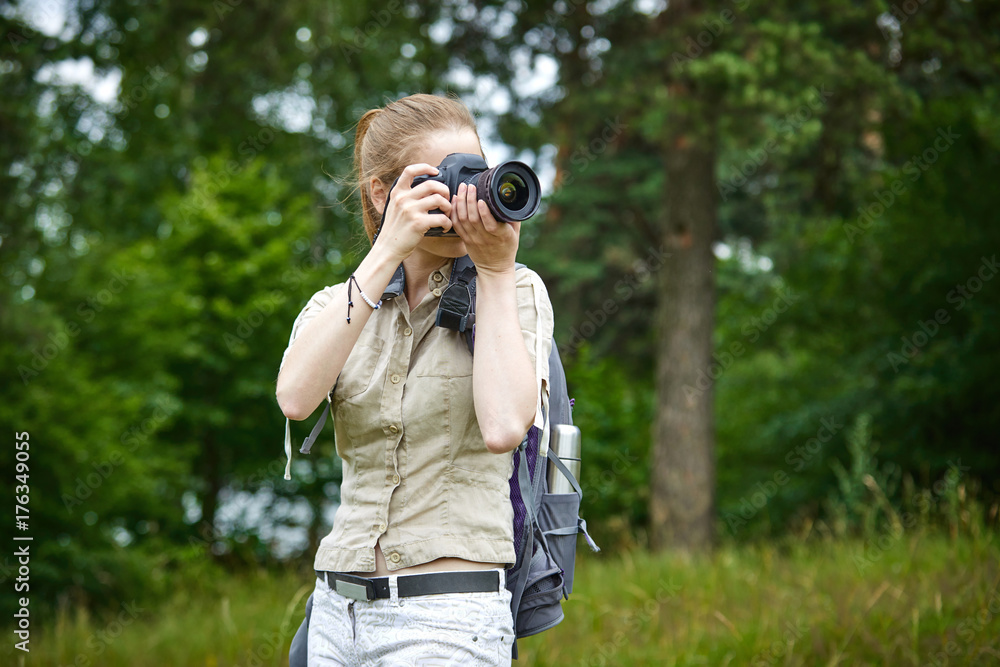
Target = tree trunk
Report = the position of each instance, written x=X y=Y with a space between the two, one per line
x=213 y=484
x=682 y=499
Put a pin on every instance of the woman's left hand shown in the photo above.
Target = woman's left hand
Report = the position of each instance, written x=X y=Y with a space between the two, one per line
x=492 y=245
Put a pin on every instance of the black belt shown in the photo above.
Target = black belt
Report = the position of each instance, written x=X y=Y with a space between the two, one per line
x=409 y=585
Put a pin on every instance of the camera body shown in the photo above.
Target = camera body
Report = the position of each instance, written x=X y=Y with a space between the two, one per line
x=510 y=190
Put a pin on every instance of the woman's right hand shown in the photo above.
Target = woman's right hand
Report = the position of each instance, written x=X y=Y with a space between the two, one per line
x=408 y=216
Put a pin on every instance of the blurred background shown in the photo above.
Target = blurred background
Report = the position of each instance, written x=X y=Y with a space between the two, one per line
x=769 y=235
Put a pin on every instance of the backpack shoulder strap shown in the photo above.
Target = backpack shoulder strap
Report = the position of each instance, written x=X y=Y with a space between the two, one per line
x=559 y=404
x=457 y=306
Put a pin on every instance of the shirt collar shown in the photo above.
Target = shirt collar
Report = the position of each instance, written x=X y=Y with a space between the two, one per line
x=437 y=279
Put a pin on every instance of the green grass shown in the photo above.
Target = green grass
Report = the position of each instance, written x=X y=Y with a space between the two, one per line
x=910 y=600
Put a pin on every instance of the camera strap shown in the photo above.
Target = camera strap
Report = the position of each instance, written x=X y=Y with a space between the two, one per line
x=457 y=306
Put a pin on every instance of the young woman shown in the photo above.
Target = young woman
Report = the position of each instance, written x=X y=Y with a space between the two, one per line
x=425 y=429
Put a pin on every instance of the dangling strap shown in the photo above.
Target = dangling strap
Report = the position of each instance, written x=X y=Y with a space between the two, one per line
x=288 y=448
x=557 y=462
x=528 y=538
x=307 y=445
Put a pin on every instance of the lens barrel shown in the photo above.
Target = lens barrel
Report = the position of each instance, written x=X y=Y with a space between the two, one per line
x=511 y=190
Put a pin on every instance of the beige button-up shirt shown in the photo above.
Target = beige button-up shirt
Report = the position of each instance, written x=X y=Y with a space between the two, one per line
x=418 y=478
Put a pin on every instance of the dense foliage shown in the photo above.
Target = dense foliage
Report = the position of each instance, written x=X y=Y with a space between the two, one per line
x=157 y=242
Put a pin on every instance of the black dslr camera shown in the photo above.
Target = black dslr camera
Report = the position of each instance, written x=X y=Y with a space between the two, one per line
x=511 y=189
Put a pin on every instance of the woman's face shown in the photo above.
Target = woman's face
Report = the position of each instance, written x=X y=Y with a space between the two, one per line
x=435 y=148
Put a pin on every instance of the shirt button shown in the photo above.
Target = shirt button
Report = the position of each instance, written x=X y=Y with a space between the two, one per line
x=438 y=276
x=382 y=527
x=407 y=331
x=436 y=291
x=394 y=557
x=395 y=479
x=394 y=378
x=393 y=429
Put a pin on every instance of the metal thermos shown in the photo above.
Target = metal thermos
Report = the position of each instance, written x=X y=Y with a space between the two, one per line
x=564 y=441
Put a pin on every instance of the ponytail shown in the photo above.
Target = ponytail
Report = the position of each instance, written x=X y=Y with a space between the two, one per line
x=369 y=215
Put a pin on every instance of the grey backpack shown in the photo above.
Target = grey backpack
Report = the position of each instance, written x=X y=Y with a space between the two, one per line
x=545 y=524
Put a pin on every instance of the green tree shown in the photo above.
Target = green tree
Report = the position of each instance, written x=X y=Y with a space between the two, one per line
x=681 y=125
x=167 y=184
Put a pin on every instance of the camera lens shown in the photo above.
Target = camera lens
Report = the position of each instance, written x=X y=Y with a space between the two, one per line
x=513 y=191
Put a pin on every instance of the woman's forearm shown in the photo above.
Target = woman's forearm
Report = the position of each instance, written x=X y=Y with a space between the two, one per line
x=504 y=390
x=320 y=350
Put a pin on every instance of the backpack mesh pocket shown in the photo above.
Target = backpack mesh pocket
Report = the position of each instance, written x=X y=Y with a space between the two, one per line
x=540 y=607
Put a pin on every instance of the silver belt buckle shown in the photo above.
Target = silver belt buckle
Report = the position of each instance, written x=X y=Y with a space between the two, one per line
x=350 y=590
x=358 y=591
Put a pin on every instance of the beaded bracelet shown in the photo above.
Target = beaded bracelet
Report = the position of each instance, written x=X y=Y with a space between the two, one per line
x=350 y=302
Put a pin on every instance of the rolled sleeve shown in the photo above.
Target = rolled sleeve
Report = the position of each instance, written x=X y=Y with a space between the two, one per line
x=535 y=314
x=313 y=307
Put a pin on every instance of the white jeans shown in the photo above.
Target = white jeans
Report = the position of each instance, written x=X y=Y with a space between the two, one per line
x=432 y=630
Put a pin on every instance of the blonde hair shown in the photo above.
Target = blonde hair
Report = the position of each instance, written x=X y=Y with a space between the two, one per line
x=386 y=139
